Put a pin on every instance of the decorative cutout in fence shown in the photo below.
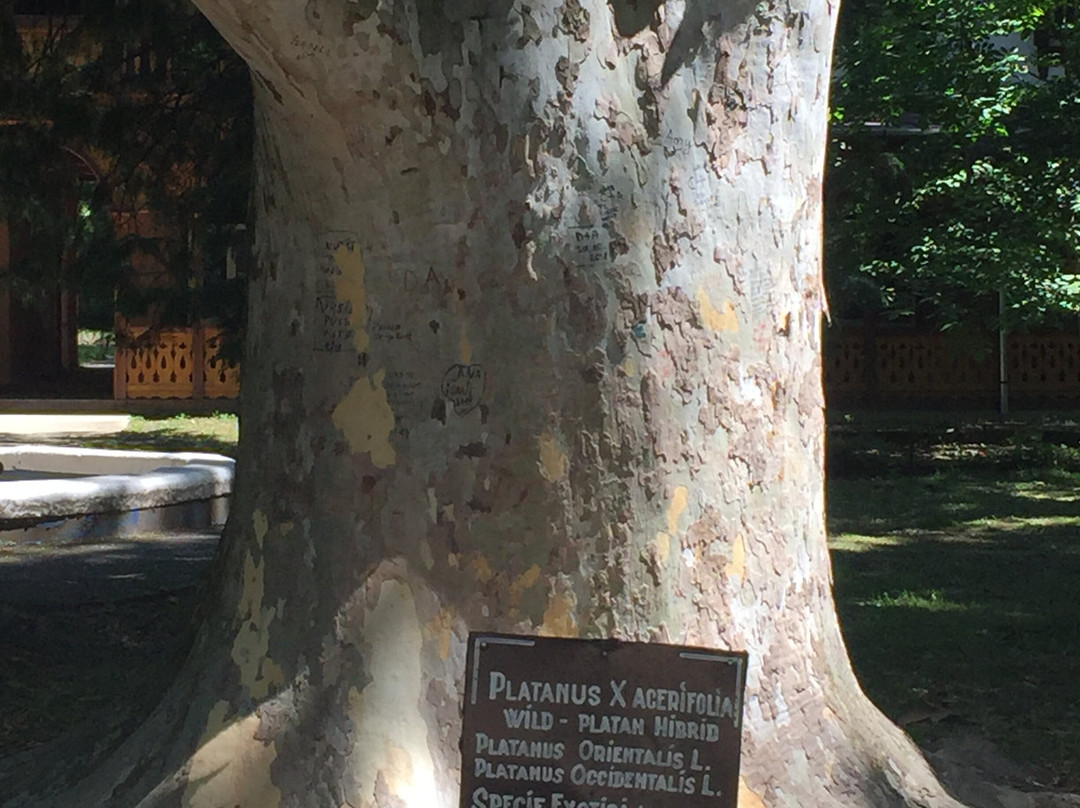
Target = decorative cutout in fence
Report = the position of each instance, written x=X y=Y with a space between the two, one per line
x=222 y=379
x=1046 y=364
x=931 y=363
x=179 y=363
x=883 y=368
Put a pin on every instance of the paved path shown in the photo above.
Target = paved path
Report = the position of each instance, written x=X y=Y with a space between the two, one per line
x=125 y=568
x=27 y=424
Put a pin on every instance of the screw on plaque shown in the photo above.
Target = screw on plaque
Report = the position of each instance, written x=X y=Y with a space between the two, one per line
x=609 y=645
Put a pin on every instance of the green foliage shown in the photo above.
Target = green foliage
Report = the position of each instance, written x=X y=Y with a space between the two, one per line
x=932 y=600
x=133 y=105
x=954 y=169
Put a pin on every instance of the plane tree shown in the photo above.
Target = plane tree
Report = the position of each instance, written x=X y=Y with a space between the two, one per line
x=534 y=347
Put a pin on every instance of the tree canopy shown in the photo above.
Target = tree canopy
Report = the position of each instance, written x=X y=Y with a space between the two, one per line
x=954 y=168
x=111 y=108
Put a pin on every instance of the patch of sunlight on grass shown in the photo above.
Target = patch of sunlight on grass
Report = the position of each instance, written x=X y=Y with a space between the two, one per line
x=179 y=433
x=221 y=427
x=1053 y=521
x=931 y=600
x=988 y=528
x=858 y=543
x=1041 y=493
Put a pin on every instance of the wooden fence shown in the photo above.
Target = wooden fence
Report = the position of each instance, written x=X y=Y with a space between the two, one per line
x=176 y=363
x=882 y=367
x=885 y=367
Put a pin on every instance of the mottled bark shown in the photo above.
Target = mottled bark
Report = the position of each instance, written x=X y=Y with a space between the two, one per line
x=534 y=348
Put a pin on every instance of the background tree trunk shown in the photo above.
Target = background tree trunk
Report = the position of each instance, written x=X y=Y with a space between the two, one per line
x=534 y=348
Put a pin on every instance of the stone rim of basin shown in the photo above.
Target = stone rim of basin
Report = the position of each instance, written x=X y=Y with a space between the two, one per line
x=131 y=480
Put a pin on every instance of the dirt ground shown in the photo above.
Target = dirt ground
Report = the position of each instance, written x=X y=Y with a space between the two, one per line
x=94 y=633
x=69 y=664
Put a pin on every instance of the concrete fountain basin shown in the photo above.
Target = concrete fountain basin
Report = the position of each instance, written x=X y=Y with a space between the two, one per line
x=64 y=495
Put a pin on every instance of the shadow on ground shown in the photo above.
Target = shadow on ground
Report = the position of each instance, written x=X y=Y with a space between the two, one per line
x=975 y=627
x=152 y=441
x=92 y=635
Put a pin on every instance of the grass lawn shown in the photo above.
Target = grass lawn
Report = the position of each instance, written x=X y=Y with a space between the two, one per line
x=957 y=578
x=178 y=433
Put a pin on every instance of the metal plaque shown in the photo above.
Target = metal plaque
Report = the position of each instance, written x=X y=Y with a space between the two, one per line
x=557 y=723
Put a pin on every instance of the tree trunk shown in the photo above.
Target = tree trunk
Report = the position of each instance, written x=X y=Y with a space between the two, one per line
x=535 y=349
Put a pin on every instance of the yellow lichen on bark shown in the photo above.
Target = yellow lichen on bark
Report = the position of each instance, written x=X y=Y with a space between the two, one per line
x=481 y=568
x=466 y=346
x=440 y=628
x=526 y=580
x=748 y=798
x=719 y=321
x=662 y=544
x=554 y=464
x=350 y=287
x=230 y=767
x=261 y=526
x=365 y=418
x=737 y=566
x=679 y=500
x=559 y=619
x=258 y=673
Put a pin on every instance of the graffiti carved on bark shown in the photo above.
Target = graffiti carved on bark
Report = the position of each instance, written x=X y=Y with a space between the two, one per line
x=534 y=349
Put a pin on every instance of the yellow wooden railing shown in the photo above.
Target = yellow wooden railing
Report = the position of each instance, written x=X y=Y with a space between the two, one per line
x=173 y=363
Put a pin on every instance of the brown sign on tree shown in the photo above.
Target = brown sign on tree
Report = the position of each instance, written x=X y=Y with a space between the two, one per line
x=559 y=723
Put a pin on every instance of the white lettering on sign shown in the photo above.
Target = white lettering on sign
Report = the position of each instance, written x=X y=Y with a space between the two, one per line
x=499 y=687
x=530 y=773
x=561 y=800
x=518 y=747
x=581 y=775
x=610 y=724
x=634 y=755
x=600 y=724
x=714 y=705
x=528 y=719
x=482 y=798
x=672 y=727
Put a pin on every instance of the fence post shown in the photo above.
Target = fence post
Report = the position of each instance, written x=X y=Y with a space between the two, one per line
x=198 y=361
x=1003 y=358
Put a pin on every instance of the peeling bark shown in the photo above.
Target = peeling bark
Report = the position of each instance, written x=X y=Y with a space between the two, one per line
x=534 y=348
